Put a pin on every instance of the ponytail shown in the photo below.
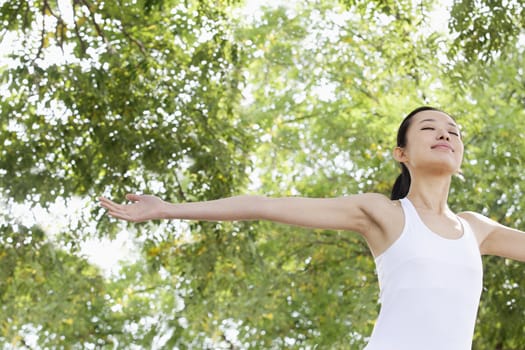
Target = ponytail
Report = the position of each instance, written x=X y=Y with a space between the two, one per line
x=402 y=184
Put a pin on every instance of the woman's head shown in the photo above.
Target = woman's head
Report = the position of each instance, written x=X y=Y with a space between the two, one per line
x=436 y=135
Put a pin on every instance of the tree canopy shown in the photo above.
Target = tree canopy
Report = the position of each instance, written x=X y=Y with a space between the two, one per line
x=196 y=100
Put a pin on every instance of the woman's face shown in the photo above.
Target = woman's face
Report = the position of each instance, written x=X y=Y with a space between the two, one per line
x=433 y=142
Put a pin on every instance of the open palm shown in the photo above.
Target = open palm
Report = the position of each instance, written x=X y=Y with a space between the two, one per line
x=142 y=208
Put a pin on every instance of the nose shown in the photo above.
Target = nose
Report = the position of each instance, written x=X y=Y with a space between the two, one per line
x=443 y=135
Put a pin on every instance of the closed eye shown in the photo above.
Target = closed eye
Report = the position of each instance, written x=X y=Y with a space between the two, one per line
x=450 y=132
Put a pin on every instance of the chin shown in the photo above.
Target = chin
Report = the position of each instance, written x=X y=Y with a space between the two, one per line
x=443 y=168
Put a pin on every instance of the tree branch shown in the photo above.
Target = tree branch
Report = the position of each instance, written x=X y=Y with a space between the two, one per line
x=133 y=40
x=43 y=33
x=98 y=29
x=83 y=47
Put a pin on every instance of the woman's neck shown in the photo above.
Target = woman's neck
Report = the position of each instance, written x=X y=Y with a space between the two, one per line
x=430 y=192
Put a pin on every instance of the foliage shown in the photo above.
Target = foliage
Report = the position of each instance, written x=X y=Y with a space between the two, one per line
x=136 y=99
x=198 y=100
x=492 y=162
x=486 y=28
x=49 y=295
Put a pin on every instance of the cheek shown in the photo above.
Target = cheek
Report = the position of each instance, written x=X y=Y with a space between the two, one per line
x=460 y=153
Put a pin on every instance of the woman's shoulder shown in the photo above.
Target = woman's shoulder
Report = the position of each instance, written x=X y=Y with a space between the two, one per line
x=387 y=220
x=475 y=218
x=376 y=198
x=480 y=224
x=377 y=206
x=380 y=201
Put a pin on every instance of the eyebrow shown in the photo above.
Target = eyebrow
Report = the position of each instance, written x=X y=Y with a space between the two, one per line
x=433 y=120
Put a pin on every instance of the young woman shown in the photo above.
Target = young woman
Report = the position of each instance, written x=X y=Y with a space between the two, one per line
x=428 y=259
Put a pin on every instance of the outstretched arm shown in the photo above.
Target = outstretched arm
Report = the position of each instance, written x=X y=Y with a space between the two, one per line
x=497 y=239
x=345 y=213
x=506 y=242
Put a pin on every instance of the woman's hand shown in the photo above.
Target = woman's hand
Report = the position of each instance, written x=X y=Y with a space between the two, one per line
x=143 y=208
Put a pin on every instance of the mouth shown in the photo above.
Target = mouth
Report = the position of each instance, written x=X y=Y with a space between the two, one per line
x=443 y=146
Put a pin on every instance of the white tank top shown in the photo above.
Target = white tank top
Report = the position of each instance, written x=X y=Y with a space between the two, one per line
x=430 y=288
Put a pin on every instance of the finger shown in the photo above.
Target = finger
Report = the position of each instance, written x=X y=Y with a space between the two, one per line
x=102 y=199
x=108 y=204
x=119 y=215
x=133 y=197
x=125 y=216
x=105 y=200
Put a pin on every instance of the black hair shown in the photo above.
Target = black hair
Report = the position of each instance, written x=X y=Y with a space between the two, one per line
x=402 y=184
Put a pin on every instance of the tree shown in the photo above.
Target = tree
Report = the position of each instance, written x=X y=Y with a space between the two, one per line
x=50 y=297
x=140 y=102
x=324 y=144
x=74 y=128
x=328 y=85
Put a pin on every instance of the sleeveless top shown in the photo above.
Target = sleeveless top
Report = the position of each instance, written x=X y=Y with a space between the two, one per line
x=430 y=288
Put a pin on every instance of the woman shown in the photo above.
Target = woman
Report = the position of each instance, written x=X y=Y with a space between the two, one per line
x=428 y=259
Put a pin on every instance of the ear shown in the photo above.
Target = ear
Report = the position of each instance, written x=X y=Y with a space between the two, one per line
x=400 y=155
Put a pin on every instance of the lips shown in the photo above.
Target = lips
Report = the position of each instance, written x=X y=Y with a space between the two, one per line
x=443 y=145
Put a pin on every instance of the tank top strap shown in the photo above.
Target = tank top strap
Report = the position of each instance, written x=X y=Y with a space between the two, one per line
x=408 y=206
x=411 y=215
x=468 y=232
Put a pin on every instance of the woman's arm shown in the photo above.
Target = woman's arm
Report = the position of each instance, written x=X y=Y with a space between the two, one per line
x=497 y=239
x=505 y=242
x=345 y=213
